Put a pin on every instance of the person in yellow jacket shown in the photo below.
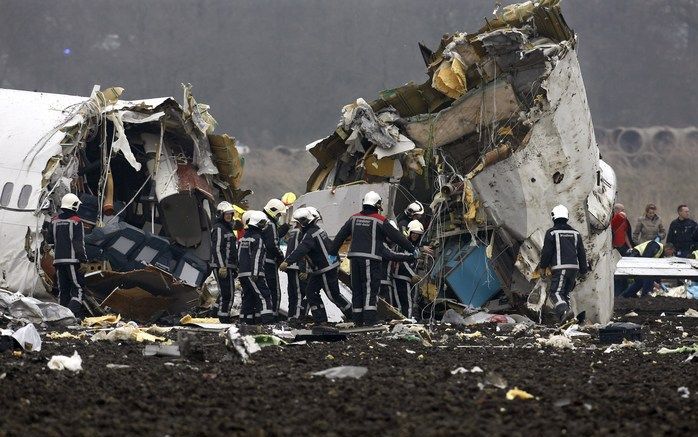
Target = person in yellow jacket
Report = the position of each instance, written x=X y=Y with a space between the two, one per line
x=648 y=249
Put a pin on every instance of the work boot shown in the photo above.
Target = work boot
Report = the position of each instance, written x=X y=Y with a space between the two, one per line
x=567 y=315
x=295 y=323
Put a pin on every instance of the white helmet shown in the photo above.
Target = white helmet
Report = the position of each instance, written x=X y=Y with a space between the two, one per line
x=560 y=211
x=414 y=208
x=70 y=201
x=257 y=219
x=225 y=207
x=314 y=212
x=372 y=198
x=275 y=208
x=415 y=226
x=246 y=217
x=304 y=216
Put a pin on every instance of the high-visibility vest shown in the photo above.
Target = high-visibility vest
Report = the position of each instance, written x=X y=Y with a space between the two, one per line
x=695 y=254
x=640 y=248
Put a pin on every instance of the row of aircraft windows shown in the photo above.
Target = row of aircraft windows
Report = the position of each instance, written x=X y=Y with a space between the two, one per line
x=23 y=199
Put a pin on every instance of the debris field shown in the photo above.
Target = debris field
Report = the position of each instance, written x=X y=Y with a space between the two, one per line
x=459 y=384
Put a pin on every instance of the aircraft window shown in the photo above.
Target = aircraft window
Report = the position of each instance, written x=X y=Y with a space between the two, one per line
x=6 y=193
x=24 y=196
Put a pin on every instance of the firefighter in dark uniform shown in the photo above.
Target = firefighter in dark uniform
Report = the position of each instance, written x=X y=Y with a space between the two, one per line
x=273 y=210
x=563 y=252
x=368 y=230
x=404 y=274
x=414 y=211
x=391 y=260
x=67 y=236
x=256 y=297
x=224 y=258
x=323 y=266
x=297 y=276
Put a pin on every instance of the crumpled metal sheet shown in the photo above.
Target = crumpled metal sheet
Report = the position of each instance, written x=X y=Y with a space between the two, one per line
x=378 y=129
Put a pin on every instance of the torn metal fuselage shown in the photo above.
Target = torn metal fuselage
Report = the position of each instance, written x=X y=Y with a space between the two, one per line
x=499 y=134
x=149 y=174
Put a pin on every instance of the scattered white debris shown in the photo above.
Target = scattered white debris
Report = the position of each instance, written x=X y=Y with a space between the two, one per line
x=690 y=313
x=410 y=351
x=118 y=366
x=61 y=362
x=632 y=314
x=557 y=341
x=573 y=331
x=684 y=392
x=461 y=370
x=625 y=344
x=28 y=338
x=340 y=372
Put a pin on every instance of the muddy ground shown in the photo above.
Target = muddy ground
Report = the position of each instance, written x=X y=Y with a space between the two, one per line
x=583 y=391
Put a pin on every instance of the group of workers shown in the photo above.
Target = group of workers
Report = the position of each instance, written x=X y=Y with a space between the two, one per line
x=312 y=262
x=382 y=256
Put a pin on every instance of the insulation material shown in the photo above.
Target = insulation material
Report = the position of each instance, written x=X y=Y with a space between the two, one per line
x=449 y=78
x=480 y=106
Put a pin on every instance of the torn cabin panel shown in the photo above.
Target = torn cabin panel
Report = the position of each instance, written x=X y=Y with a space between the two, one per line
x=144 y=171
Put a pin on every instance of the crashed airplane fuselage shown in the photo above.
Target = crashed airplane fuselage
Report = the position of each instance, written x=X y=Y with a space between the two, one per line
x=149 y=174
x=497 y=136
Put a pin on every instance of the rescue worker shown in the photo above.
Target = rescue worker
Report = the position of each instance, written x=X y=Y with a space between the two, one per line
x=224 y=258
x=297 y=275
x=563 y=252
x=647 y=249
x=368 y=230
x=256 y=296
x=273 y=210
x=404 y=272
x=323 y=267
x=67 y=235
x=414 y=211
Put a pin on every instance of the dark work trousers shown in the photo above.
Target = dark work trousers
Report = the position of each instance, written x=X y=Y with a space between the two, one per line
x=226 y=294
x=329 y=281
x=646 y=284
x=271 y=272
x=312 y=294
x=296 y=294
x=620 y=283
x=561 y=285
x=366 y=275
x=70 y=283
x=256 y=301
x=386 y=292
x=402 y=295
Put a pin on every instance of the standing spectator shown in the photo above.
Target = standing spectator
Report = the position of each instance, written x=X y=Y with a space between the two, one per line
x=683 y=232
x=620 y=228
x=649 y=226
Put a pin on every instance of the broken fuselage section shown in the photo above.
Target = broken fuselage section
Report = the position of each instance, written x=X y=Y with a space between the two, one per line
x=497 y=136
x=149 y=174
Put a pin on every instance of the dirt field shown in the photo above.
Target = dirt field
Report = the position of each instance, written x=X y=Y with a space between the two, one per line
x=577 y=392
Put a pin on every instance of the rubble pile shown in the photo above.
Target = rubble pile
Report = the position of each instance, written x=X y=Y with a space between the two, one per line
x=498 y=134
